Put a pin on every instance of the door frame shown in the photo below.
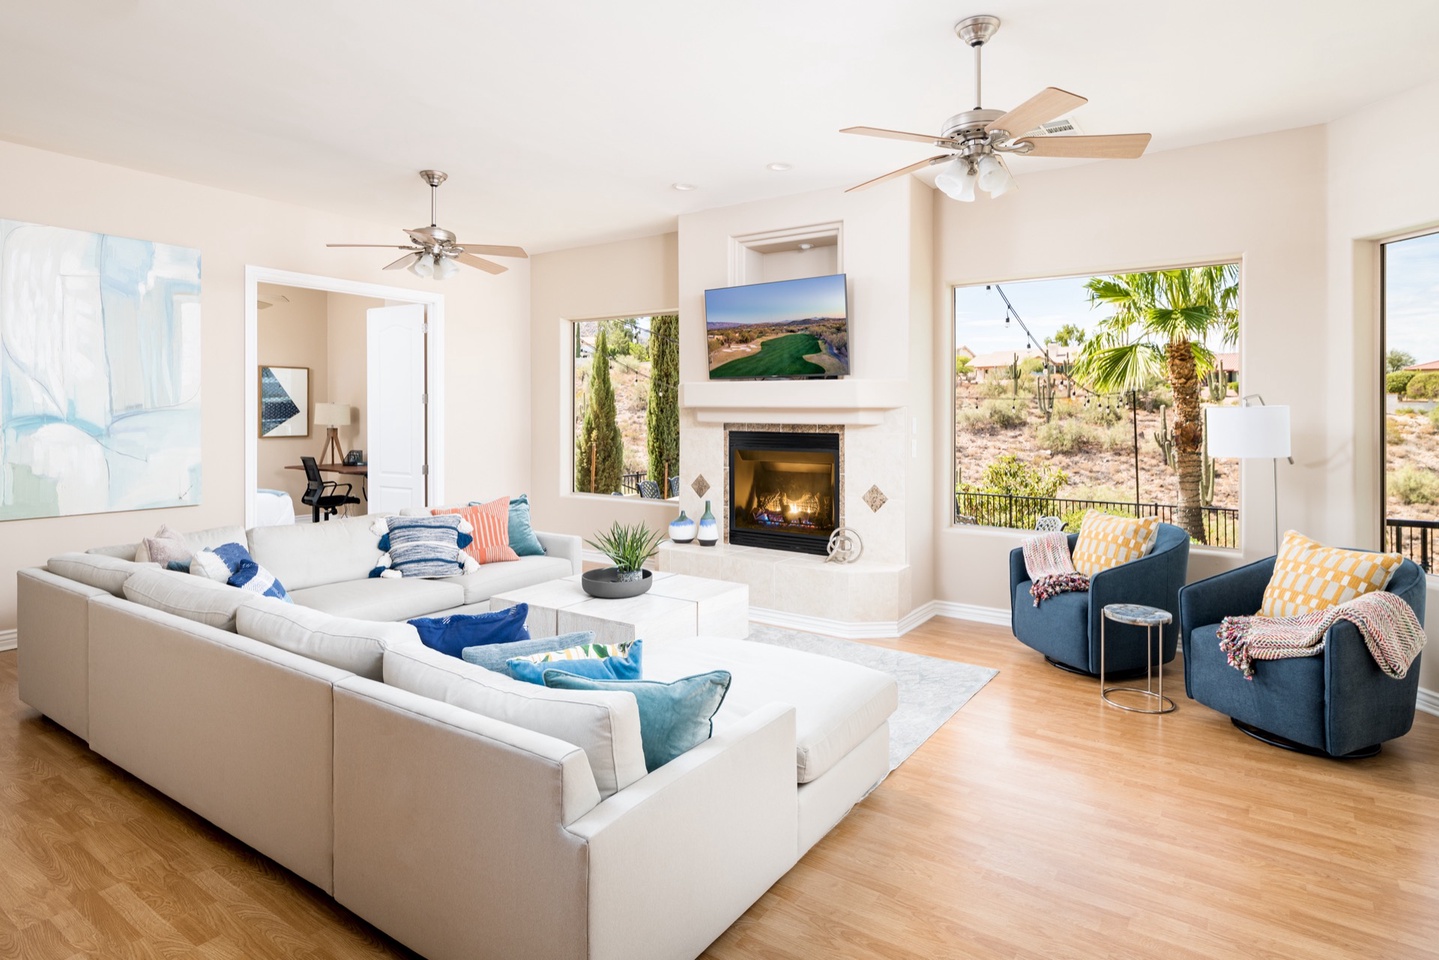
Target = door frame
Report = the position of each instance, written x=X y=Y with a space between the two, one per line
x=434 y=304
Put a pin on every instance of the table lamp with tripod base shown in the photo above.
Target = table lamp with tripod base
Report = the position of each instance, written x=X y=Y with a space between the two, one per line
x=333 y=416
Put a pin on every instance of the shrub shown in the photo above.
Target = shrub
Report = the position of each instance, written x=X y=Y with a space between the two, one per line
x=1398 y=382
x=1434 y=418
x=1010 y=475
x=1413 y=485
x=1406 y=411
x=973 y=421
x=1116 y=437
x=1102 y=410
x=1007 y=414
x=1028 y=368
x=995 y=387
x=1424 y=386
x=1064 y=436
x=1064 y=409
x=1393 y=431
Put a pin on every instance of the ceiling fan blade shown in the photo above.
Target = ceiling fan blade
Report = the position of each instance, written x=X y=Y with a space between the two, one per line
x=492 y=250
x=1044 y=105
x=489 y=266
x=381 y=246
x=899 y=173
x=893 y=134
x=403 y=262
x=1119 y=146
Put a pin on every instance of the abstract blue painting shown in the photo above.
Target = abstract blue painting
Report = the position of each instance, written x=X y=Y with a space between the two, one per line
x=99 y=373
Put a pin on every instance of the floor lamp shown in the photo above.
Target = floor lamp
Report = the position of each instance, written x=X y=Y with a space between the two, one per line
x=1251 y=432
x=334 y=416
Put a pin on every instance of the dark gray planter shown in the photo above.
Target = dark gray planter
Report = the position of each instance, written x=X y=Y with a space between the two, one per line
x=602 y=583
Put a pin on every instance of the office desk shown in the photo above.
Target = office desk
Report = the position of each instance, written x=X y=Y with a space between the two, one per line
x=357 y=470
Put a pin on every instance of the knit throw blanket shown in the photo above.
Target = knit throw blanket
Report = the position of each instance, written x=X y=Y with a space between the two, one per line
x=1388 y=625
x=1051 y=571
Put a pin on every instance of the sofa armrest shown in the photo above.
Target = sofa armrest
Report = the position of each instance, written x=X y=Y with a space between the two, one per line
x=563 y=545
x=682 y=853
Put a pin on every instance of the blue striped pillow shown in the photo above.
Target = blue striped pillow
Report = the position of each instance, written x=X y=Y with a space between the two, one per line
x=244 y=572
x=423 y=546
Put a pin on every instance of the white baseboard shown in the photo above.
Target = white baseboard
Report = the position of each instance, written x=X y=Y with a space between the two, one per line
x=7 y=639
x=1428 y=701
x=999 y=616
x=878 y=629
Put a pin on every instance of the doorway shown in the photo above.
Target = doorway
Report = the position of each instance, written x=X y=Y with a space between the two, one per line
x=341 y=381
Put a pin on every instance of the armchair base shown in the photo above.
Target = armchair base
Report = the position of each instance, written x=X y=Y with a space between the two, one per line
x=1133 y=674
x=1283 y=743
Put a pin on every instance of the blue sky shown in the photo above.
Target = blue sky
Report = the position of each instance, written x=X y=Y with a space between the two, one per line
x=1411 y=297
x=776 y=302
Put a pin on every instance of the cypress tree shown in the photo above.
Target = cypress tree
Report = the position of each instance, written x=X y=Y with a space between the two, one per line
x=600 y=436
x=662 y=417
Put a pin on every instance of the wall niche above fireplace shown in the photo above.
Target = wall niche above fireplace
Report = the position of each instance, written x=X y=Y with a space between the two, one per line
x=784 y=489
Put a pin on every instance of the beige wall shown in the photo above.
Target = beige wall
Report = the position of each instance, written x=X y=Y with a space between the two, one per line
x=1260 y=200
x=487 y=338
x=348 y=361
x=628 y=278
x=292 y=334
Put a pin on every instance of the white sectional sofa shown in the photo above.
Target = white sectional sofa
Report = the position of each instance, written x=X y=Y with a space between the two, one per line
x=464 y=813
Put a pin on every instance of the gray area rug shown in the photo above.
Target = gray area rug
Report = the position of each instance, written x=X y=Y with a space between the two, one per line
x=930 y=690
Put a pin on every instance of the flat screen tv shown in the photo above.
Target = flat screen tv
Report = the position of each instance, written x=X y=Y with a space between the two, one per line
x=789 y=329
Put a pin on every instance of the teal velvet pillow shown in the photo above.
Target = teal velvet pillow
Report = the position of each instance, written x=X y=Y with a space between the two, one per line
x=623 y=664
x=522 y=535
x=674 y=717
x=494 y=656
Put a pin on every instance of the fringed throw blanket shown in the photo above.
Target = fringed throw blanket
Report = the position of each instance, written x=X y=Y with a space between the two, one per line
x=1046 y=559
x=1390 y=630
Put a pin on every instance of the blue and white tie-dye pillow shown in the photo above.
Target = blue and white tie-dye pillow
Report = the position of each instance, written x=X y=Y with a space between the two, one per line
x=430 y=546
x=231 y=563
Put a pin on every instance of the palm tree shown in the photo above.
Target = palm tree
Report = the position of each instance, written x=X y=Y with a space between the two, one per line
x=1159 y=326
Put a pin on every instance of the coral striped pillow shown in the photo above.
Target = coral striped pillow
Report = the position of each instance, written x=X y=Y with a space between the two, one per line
x=490 y=526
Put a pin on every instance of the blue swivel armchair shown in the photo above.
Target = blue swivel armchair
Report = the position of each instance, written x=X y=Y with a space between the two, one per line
x=1066 y=628
x=1336 y=704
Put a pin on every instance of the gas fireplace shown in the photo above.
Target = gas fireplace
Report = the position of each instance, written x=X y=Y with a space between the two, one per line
x=784 y=490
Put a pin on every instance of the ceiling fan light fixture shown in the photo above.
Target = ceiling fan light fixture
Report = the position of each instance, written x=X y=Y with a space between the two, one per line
x=994 y=177
x=424 y=268
x=445 y=267
x=957 y=180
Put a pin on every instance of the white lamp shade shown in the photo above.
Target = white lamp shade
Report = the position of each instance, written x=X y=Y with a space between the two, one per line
x=444 y=267
x=956 y=180
x=1258 y=432
x=332 y=415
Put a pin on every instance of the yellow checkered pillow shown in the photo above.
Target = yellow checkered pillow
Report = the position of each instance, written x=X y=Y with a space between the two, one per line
x=1309 y=576
x=1107 y=541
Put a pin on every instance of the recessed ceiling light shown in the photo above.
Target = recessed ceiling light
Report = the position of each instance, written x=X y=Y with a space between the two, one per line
x=683 y=186
x=780 y=167
x=806 y=246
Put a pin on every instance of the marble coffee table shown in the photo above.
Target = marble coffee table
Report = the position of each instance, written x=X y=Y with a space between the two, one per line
x=676 y=606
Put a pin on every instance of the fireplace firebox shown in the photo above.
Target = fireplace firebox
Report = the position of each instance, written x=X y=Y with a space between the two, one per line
x=784 y=490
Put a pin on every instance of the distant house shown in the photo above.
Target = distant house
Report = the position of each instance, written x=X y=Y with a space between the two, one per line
x=998 y=363
x=1228 y=365
x=1429 y=367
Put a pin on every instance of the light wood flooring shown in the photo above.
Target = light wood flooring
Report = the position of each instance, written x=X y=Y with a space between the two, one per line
x=1035 y=823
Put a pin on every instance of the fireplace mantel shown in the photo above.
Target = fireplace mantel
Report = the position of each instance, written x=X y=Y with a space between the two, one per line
x=849 y=401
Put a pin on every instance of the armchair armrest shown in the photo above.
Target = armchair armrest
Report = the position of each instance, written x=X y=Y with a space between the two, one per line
x=1153 y=580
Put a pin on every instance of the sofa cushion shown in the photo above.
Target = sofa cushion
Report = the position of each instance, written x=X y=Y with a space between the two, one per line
x=604 y=724
x=125 y=551
x=198 y=539
x=837 y=704
x=1309 y=576
x=303 y=555
x=430 y=547
x=493 y=578
x=194 y=598
x=496 y=656
x=380 y=598
x=1105 y=541
x=489 y=530
x=99 y=570
x=354 y=645
x=522 y=532
x=597 y=661
x=452 y=633
x=231 y=563
x=167 y=548
x=675 y=717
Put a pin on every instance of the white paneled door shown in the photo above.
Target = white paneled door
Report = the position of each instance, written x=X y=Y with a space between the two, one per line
x=396 y=407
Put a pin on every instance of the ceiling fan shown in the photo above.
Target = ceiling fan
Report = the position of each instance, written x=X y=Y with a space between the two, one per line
x=433 y=251
x=975 y=138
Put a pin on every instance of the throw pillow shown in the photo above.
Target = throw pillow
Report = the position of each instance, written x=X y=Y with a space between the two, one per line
x=598 y=661
x=423 y=546
x=231 y=563
x=452 y=634
x=1309 y=576
x=496 y=656
x=490 y=529
x=166 y=547
x=674 y=717
x=522 y=533
x=1106 y=541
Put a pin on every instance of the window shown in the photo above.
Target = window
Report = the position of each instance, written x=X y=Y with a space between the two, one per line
x=626 y=403
x=1411 y=388
x=1089 y=392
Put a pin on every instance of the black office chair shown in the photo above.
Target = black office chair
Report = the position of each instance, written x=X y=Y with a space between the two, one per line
x=324 y=495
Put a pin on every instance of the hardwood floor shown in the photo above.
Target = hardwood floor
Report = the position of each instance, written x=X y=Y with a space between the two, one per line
x=1035 y=823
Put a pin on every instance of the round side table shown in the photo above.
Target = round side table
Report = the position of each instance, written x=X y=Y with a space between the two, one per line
x=1149 y=618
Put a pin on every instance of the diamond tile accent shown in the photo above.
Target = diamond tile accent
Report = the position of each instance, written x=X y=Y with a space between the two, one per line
x=874 y=497
x=700 y=486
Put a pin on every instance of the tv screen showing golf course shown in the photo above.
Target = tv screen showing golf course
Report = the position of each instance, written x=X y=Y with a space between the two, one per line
x=783 y=330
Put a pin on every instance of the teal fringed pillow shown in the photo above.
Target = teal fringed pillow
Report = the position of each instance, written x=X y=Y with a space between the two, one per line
x=674 y=717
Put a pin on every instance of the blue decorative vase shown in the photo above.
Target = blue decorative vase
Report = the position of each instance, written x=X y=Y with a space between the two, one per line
x=682 y=529
x=709 y=528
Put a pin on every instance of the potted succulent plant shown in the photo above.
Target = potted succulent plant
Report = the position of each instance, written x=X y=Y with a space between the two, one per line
x=628 y=547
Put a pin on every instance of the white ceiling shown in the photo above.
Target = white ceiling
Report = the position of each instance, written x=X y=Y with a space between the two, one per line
x=564 y=123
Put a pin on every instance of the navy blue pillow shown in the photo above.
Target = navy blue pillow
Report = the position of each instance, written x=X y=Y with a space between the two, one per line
x=451 y=635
